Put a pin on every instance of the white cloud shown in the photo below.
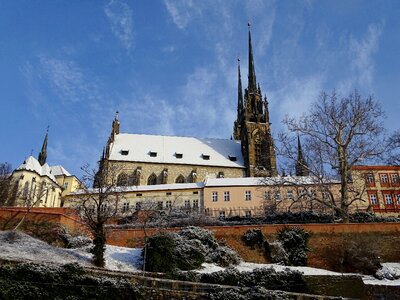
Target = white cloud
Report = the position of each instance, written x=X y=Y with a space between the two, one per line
x=68 y=80
x=120 y=16
x=181 y=11
x=363 y=50
x=296 y=97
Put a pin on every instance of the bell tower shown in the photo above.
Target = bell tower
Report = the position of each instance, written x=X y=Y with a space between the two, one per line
x=252 y=125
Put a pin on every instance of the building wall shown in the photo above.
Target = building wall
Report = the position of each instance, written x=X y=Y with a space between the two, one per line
x=265 y=198
x=191 y=198
x=174 y=170
x=69 y=184
x=29 y=188
x=380 y=186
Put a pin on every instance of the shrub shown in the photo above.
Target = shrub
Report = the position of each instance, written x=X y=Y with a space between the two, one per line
x=189 y=254
x=295 y=242
x=160 y=254
x=186 y=250
x=264 y=277
x=224 y=256
x=253 y=238
x=276 y=252
x=359 y=257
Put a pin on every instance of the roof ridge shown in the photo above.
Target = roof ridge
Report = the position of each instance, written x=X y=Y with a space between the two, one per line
x=180 y=136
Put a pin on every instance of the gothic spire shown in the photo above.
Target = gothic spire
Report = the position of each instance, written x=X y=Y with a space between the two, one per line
x=43 y=153
x=252 y=85
x=301 y=164
x=240 y=93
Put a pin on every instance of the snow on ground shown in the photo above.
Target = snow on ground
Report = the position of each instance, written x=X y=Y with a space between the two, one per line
x=249 y=267
x=20 y=246
x=389 y=270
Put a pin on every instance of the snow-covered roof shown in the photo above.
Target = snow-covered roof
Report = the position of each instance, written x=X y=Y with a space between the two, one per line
x=32 y=164
x=59 y=170
x=259 y=181
x=149 y=188
x=176 y=150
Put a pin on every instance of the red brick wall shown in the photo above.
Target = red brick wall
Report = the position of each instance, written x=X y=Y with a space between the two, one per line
x=326 y=240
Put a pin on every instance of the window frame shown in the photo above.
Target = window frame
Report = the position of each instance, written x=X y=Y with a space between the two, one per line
x=247 y=195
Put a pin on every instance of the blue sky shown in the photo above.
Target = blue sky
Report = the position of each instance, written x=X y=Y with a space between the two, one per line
x=170 y=67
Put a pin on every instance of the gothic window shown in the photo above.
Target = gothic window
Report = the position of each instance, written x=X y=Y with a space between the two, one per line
x=122 y=179
x=257 y=148
x=152 y=180
x=180 y=179
x=193 y=176
x=25 y=190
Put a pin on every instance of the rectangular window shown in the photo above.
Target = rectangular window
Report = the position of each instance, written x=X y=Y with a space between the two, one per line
x=206 y=156
x=398 y=199
x=289 y=194
x=395 y=179
x=195 y=193
x=227 y=196
x=373 y=199
x=187 y=204
x=168 y=204
x=247 y=195
x=160 y=205
x=125 y=207
x=178 y=155
x=196 y=203
x=138 y=195
x=168 y=193
x=153 y=154
x=214 y=196
x=369 y=178
x=388 y=199
x=384 y=179
x=267 y=195
x=124 y=152
x=277 y=196
x=103 y=207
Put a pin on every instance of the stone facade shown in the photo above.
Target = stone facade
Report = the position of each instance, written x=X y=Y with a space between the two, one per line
x=140 y=173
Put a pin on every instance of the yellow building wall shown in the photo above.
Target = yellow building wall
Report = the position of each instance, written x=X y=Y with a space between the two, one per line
x=29 y=189
x=182 y=198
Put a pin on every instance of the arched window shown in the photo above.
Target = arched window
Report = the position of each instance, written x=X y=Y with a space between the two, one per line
x=25 y=190
x=180 y=179
x=122 y=179
x=258 y=148
x=152 y=180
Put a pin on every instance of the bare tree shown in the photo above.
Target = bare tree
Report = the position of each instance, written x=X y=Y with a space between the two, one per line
x=99 y=205
x=339 y=133
x=394 y=149
x=7 y=184
x=30 y=197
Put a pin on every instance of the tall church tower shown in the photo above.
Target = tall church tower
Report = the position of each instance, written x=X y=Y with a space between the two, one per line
x=252 y=125
x=43 y=153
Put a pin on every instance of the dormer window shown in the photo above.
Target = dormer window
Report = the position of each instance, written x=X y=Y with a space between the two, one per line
x=206 y=156
x=153 y=154
x=232 y=158
x=178 y=155
x=124 y=152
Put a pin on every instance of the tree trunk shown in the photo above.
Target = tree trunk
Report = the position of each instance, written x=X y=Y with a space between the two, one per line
x=99 y=242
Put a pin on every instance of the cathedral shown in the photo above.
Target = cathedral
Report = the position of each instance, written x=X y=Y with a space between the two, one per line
x=154 y=159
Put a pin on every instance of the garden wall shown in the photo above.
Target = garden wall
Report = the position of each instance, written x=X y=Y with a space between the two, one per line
x=63 y=216
x=327 y=241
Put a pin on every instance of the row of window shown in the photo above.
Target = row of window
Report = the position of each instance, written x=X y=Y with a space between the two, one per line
x=178 y=155
x=161 y=205
x=268 y=196
x=388 y=199
x=384 y=178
